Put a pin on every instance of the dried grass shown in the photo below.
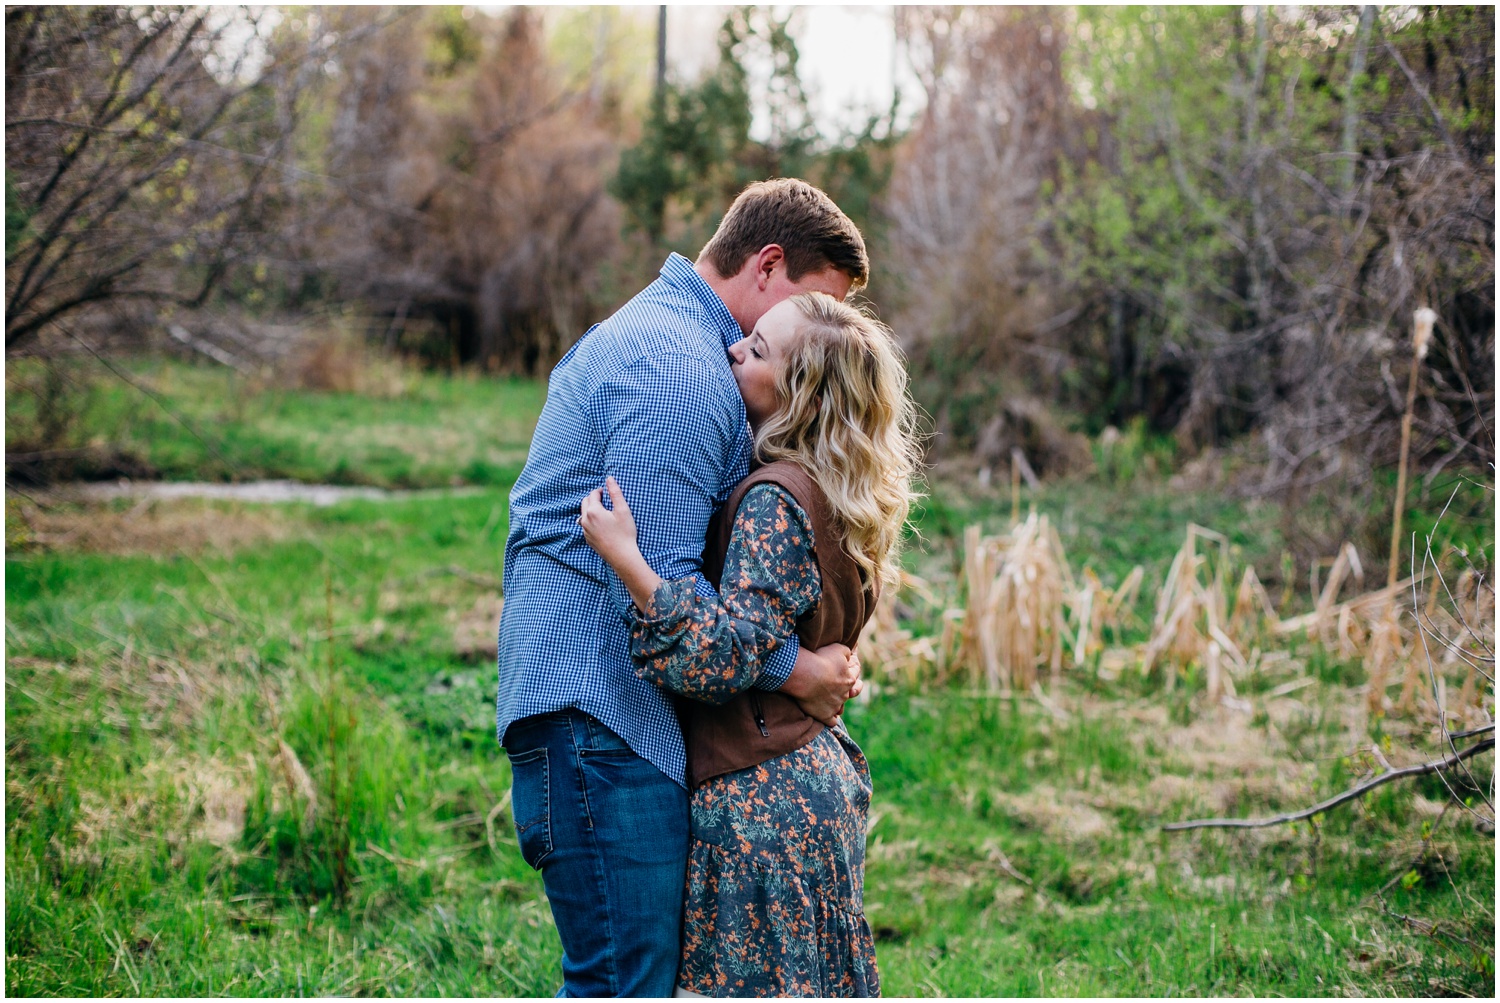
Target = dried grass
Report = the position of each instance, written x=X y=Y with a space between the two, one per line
x=475 y=635
x=1065 y=815
x=888 y=650
x=221 y=792
x=341 y=362
x=150 y=528
x=1026 y=610
x=210 y=802
x=1191 y=613
x=1014 y=622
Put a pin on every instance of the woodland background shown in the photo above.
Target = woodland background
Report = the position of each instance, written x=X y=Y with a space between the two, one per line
x=1212 y=222
x=1159 y=264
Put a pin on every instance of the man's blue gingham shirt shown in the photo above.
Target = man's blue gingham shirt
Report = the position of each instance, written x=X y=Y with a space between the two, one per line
x=647 y=396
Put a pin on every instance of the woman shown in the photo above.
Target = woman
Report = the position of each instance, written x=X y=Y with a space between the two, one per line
x=774 y=898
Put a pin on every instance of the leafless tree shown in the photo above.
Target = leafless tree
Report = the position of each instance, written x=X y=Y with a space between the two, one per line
x=145 y=148
x=470 y=195
x=965 y=206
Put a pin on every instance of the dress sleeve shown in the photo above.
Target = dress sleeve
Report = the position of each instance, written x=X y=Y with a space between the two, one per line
x=711 y=649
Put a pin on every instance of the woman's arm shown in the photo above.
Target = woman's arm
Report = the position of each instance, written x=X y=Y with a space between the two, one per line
x=704 y=649
x=612 y=534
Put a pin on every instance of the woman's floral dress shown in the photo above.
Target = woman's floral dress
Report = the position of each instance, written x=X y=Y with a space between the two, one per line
x=774 y=903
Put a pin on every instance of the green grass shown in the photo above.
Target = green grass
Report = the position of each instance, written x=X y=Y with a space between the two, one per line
x=157 y=842
x=1120 y=908
x=211 y=424
x=139 y=687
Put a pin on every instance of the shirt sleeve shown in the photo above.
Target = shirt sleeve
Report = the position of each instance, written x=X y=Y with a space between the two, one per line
x=712 y=649
x=673 y=430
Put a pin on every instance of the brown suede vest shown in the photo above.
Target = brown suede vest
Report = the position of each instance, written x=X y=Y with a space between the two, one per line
x=759 y=725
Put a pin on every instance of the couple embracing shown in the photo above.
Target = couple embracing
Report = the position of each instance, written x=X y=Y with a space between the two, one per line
x=708 y=513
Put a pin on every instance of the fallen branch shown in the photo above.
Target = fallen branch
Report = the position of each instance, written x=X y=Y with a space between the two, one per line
x=1427 y=927
x=489 y=823
x=1455 y=735
x=1009 y=868
x=393 y=858
x=1334 y=802
x=208 y=348
x=1286 y=689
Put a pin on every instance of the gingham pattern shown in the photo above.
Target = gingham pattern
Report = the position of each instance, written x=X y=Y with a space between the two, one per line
x=647 y=396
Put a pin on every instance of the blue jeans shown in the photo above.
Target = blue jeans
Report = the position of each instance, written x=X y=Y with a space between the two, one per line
x=609 y=832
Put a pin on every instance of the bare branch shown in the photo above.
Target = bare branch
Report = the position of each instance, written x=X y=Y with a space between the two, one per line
x=1471 y=732
x=155 y=397
x=1416 y=85
x=1333 y=802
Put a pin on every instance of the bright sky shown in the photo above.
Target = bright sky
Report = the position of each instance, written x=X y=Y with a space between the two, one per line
x=849 y=58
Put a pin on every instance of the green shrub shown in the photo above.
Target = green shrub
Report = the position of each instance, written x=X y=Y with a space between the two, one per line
x=1122 y=456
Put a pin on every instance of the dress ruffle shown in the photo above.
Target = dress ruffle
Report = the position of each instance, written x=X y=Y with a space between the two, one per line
x=774 y=903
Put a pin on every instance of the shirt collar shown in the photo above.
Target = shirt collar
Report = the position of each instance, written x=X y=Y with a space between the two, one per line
x=679 y=272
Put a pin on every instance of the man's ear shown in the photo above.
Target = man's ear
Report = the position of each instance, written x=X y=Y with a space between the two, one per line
x=766 y=262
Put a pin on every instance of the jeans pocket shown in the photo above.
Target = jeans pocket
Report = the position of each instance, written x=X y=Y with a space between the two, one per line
x=530 y=805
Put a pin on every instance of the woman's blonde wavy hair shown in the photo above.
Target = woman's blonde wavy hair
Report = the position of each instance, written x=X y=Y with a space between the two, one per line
x=847 y=419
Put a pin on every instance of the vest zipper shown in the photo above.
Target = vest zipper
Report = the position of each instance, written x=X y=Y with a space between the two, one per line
x=760 y=718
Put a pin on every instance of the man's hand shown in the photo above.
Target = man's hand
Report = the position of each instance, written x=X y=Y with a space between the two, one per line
x=823 y=679
x=859 y=682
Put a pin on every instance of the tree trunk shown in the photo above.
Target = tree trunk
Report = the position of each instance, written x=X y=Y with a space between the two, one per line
x=1351 y=101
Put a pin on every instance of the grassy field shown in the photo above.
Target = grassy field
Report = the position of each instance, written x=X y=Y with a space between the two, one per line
x=250 y=751
x=209 y=423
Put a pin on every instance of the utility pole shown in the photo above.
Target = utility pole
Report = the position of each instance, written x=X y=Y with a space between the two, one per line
x=661 y=52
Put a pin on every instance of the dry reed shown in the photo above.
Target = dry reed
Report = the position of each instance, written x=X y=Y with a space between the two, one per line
x=1026 y=610
x=1014 y=621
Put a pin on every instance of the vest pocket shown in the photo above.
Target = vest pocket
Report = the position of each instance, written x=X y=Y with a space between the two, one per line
x=530 y=805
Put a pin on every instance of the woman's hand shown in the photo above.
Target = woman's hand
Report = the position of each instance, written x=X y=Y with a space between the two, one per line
x=612 y=535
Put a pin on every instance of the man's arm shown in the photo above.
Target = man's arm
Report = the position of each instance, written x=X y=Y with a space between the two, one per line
x=673 y=430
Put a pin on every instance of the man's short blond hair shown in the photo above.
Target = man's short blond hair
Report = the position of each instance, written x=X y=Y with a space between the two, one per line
x=812 y=231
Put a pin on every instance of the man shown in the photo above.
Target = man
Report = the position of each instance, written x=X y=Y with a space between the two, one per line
x=597 y=756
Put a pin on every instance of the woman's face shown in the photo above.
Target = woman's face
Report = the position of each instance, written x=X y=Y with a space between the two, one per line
x=756 y=359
